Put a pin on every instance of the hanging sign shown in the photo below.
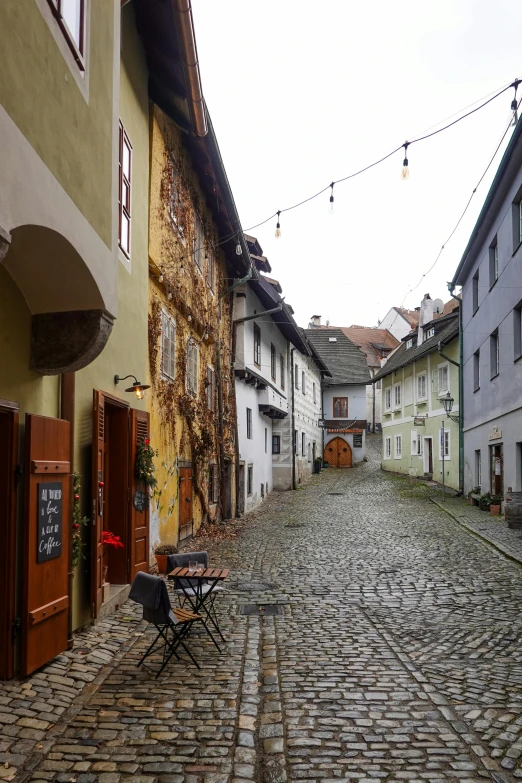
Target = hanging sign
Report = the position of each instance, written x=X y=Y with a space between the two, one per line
x=49 y=526
x=357 y=440
x=140 y=500
x=419 y=421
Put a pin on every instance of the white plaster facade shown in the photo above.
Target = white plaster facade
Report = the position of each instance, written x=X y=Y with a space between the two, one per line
x=356 y=411
x=395 y=322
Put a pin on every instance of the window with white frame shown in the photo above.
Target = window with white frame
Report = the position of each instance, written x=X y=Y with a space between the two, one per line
x=211 y=389
x=198 y=242
x=476 y=370
x=303 y=382
x=250 y=479
x=397 y=395
x=409 y=344
x=249 y=423
x=493 y=263
x=398 y=446
x=443 y=378
x=408 y=390
x=429 y=333
x=303 y=444
x=192 y=367
x=421 y=387
x=444 y=443
x=168 y=346
x=387 y=448
x=70 y=15
x=124 y=199
x=494 y=353
x=296 y=376
x=478 y=468
x=176 y=202
x=419 y=445
x=387 y=399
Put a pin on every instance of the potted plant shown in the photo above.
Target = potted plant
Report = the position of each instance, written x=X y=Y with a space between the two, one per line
x=161 y=554
x=494 y=507
x=317 y=464
x=485 y=501
x=473 y=496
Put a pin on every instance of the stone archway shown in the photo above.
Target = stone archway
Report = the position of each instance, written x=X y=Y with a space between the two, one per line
x=338 y=453
x=69 y=323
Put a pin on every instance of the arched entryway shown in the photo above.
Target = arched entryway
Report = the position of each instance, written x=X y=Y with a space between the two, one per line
x=338 y=453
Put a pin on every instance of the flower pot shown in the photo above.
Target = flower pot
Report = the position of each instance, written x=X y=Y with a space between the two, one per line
x=494 y=510
x=161 y=560
x=317 y=467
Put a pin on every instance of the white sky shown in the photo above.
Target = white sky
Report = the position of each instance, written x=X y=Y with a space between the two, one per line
x=302 y=92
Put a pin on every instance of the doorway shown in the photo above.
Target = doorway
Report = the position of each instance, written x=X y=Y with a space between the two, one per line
x=496 y=469
x=186 y=517
x=115 y=479
x=241 y=490
x=8 y=483
x=428 y=455
x=338 y=453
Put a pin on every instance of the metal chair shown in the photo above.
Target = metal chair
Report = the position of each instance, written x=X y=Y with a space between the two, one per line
x=172 y=625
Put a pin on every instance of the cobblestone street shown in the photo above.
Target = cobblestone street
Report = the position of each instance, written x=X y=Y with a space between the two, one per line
x=397 y=657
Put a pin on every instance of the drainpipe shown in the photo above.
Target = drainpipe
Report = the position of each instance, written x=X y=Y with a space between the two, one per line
x=67 y=399
x=293 y=439
x=189 y=55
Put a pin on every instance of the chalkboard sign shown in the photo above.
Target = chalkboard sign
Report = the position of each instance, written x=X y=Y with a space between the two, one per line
x=49 y=521
x=357 y=440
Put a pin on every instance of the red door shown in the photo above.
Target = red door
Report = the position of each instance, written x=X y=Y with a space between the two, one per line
x=46 y=541
x=185 y=503
x=138 y=516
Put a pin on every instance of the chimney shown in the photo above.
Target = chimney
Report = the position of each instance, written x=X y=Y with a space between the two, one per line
x=315 y=321
x=426 y=315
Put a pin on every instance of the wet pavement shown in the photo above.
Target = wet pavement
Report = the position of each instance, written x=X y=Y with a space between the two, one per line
x=396 y=656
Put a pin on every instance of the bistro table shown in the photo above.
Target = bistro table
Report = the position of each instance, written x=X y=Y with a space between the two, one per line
x=198 y=588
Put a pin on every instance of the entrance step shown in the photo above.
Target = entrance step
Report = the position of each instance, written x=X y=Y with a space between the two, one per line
x=117 y=596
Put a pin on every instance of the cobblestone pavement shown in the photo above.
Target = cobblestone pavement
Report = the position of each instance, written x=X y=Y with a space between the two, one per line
x=397 y=657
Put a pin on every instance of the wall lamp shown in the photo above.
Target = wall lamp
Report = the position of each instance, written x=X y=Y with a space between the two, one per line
x=448 y=401
x=137 y=387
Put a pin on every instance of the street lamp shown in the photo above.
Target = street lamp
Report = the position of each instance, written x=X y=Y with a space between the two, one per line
x=448 y=401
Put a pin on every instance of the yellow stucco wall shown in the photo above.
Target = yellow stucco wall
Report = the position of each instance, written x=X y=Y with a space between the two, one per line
x=70 y=128
x=182 y=427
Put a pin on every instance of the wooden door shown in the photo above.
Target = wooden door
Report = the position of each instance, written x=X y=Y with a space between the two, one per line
x=46 y=541
x=98 y=500
x=185 y=503
x=138 y=537
x=8 y=482
x=338 y=453
x=497 y=470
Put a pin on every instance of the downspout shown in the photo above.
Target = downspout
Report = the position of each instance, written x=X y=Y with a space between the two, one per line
x=183 y=11
x=293 y=439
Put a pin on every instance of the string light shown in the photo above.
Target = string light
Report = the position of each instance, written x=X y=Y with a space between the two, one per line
x=331 y=208
x=169 y=295
x=405 y=173
x=514 y=104
x=161 y=278
x=278 y=226
x=238 y=248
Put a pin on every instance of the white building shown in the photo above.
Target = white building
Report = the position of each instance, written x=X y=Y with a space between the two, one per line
x=344 y=396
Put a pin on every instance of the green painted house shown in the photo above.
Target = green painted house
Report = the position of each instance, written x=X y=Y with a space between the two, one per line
x=413 y=381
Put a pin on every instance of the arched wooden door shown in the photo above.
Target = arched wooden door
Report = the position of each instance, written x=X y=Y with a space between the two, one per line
x=338 y=453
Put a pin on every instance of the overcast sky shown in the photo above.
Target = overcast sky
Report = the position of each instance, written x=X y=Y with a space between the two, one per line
x=302 y=93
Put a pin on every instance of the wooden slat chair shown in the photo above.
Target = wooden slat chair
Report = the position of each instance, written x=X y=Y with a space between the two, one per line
x=172 y=625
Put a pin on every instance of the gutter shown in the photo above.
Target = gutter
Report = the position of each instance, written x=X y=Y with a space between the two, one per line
x=189 y=54
x=258 y=315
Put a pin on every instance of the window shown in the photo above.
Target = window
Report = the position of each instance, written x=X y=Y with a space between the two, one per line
x=387 y=448
x=409 y=343
x=212 y=483
x=446 y=445
x=478 y=468
x=476 y=370
x=398 y=446
x=419 y=446
x=276 y=444
x=273 y=361
x=475 y=292
x=296 y=376
x=517 y=221
x=250 y=479
x=211 y=269
x=257 y=345
x=249 y=423
x=387 y=399
x=176 y=201
x=443 y=378
x=296 y=441
x=421 y=386
x=517 y=332
x=397 y=395
x=303 y=444
x=70 y=15
x=314 y=392
x=125 y=165
x=282 y=363
x=428 y=333
x=340 y=407
x=211 y=389
x=198 y=242
x=192 y=367
x=493 y=263
x=303 y=382
x=168 y=346
x=494 y=352
x=266 y=441
x=309 y=452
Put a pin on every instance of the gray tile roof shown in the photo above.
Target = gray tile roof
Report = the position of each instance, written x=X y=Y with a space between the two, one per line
x=446 y=329
x=344 y=359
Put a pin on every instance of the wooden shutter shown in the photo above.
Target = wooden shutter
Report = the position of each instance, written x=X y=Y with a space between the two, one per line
x=98 y=461
x=45 y=584
x=8 y=490
x=139 y=520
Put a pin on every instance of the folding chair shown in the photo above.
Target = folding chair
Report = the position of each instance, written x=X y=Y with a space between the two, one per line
x=172 y=625
x=195 y=590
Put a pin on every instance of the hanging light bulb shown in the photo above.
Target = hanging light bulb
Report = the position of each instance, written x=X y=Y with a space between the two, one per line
x=514 y=112
x=238 y=248
x=405 y=173
x=278 y=226
x=169 y=295
x=160 y=278
x=189 y=319
x=331 y=208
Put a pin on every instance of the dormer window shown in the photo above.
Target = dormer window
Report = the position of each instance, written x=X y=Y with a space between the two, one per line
x=409 y=343
x=429 y=333
x=332 y=339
